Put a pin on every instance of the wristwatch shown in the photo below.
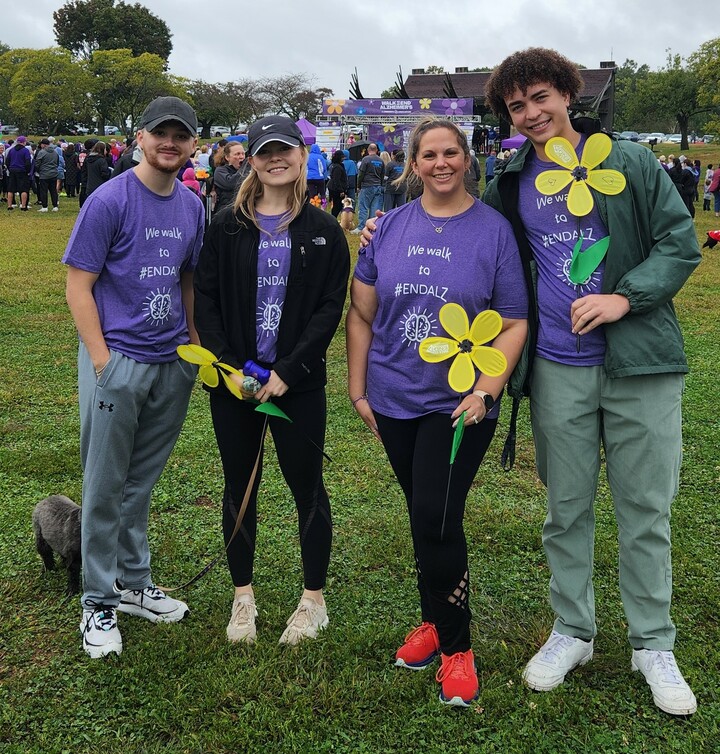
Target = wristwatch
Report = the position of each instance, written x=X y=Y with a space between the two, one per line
x=488 y=400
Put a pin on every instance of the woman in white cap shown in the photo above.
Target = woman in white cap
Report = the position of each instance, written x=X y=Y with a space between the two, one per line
x=270 y=287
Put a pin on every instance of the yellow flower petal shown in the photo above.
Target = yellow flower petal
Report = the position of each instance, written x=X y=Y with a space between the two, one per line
x=437 y=349
x=596 y=149
x=552 y=181
x=462 y=373
x=228 y=368
x=485 y=327
x=580 y=201
x=609 y=182
x=489 y=360
x=455 y=321
x=195 y=354
x=231 y=386
x=561 y=151
x=209 y=375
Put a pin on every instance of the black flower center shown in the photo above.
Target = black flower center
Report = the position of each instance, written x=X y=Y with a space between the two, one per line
x=466 y=346
x=580 y=173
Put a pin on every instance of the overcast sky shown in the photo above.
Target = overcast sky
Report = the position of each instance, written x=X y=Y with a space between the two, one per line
x=328 y=40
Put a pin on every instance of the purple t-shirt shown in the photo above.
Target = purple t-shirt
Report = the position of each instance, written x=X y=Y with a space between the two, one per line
x=273 y=269
x=474 y=262
x=138 y=243
x=552 y=232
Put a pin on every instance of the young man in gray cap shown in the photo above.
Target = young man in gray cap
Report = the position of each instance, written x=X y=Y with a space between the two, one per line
x=130 y=262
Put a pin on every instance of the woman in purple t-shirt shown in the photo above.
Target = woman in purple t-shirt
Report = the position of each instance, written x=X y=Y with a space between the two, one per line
x=270 y=286
x=442 y=247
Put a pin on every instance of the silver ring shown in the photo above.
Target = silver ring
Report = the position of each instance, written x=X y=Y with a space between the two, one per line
x=475 y=419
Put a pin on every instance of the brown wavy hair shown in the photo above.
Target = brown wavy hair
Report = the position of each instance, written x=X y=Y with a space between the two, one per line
x=536 y=65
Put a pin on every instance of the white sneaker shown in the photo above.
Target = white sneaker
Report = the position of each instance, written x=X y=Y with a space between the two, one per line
x=43 y=209
x=670 y=690
x=355 y=232
x=100 y=632
x=557 y=657
x=152 y=603
x=305 y=623
x=55 y=209
x=242 y=620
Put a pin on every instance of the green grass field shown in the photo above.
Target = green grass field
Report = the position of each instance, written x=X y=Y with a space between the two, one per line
x=183 y=688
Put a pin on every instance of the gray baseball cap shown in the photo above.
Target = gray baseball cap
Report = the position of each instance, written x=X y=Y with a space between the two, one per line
x=162 y=109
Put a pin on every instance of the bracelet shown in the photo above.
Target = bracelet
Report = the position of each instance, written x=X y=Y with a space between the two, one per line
x=362 y=397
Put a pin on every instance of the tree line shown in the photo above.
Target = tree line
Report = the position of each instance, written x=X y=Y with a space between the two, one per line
x=50 y=91
x=111 y=60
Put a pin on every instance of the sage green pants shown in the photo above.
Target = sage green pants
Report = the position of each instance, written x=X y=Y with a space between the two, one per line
x=638 y=422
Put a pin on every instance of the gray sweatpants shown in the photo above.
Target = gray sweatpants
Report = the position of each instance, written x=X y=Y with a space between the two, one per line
x=130 y=419
x=638 y=422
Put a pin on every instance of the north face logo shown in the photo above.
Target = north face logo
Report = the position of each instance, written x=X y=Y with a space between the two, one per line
x=319 y=241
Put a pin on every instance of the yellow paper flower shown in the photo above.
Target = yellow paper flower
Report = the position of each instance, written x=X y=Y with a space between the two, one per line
x=210 y=366
x=334 y=106
x=425 y=103
x=465 y=344
x=580 y=174
x=390 y=128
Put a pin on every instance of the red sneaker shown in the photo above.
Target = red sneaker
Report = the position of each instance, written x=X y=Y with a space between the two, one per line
x=421 y=647
x=458 y=676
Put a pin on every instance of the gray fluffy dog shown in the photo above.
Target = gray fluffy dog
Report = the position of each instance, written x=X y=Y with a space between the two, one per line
x=56 y=523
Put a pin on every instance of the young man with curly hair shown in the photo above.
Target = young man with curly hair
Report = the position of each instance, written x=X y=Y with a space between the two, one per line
x=605 y=368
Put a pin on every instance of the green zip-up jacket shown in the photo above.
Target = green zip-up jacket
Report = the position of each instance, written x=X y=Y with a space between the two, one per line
x=653 y=250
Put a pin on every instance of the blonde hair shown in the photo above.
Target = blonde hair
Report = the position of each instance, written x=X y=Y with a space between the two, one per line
x=426 y=124
x=251 y=189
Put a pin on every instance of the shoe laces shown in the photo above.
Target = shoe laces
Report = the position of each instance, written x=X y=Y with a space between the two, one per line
x=664 y=661
x=243 y=611
x=459 y=665
x=419 y=636
x=301 y=618
x=103 y=616
x=153 y=592
x=555 y=646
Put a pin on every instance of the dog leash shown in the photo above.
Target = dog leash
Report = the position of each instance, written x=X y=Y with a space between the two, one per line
x=238 y=520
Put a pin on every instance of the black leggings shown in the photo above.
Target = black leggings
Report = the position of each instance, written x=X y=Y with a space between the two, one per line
x=238 y=429
x=419 y=453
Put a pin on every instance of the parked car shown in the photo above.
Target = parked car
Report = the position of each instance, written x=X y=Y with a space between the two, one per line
x=630 y=135
x=6 y=130
x=673 y=138
x=709 y=139
x=659 y=138
x=217 y=131
x=111 y=130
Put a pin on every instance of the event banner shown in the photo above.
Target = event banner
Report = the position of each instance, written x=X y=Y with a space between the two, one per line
x=393 y=107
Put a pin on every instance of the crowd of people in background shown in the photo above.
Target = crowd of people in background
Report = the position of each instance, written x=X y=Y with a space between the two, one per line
x=687 y=175
x=39 y=173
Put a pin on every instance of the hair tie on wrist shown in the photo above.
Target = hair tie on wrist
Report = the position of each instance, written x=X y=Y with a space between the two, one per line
x=362 y=397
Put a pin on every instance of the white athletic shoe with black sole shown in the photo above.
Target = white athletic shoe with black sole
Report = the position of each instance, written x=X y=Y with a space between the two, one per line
x=153 y=604
x=100 y=632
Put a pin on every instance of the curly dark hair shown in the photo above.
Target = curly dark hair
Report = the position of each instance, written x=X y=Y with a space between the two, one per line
x=536 y=65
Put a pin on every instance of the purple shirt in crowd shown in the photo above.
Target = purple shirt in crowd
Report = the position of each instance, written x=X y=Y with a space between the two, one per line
x=552 y=232
x=273 y=269
x=474 y=262
x=138 y=243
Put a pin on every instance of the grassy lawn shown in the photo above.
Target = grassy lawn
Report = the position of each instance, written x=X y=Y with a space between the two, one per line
x=183 y=688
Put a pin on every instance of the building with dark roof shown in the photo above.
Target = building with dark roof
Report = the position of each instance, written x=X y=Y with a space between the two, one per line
x=597 y=96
